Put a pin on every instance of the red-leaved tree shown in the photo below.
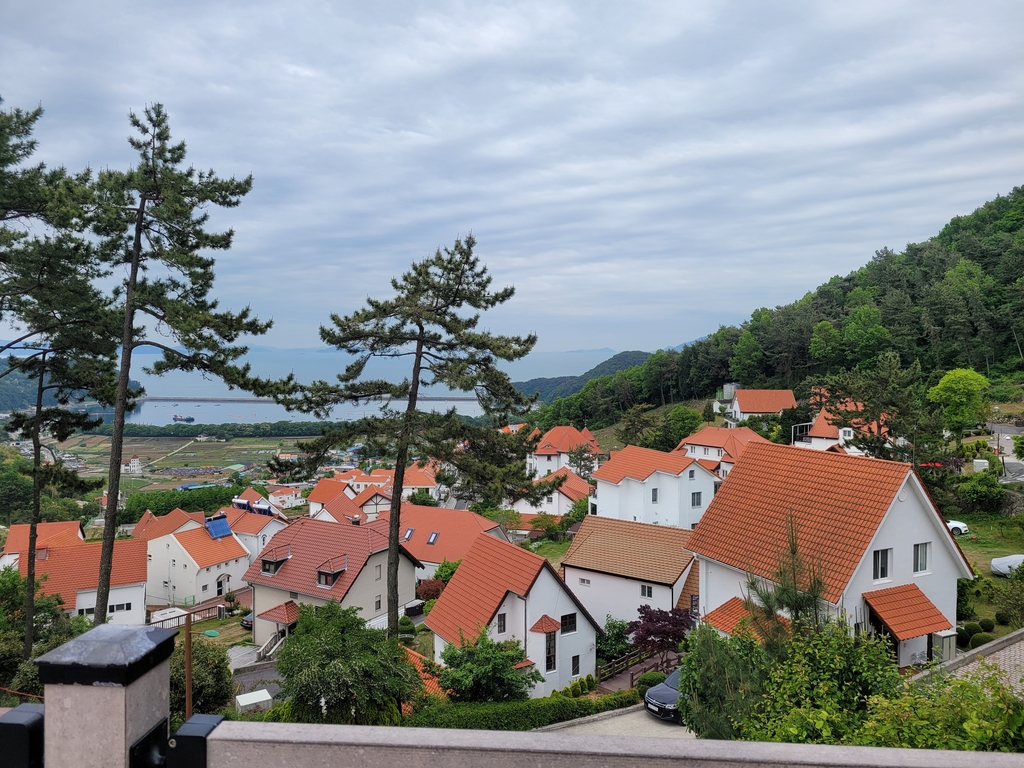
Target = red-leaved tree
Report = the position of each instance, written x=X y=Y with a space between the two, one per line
x=659 y=631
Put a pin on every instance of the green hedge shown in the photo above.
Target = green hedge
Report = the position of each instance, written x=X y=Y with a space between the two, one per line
x=516 y=715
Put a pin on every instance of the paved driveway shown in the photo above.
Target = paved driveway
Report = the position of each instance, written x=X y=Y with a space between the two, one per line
x=627 y=722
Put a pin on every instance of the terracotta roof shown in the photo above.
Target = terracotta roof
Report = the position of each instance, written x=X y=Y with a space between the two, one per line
x=241 y=521
x=822 y=427
x=641 y=551
x=456 y=530
x=326 y=490
x=526 y=520
x=310 y=542
x=837 y=501
x=546 y=624
x=59 y=533
x=285 y=613
x=574 y=488
x=690 y=587
x=251 y=494
x=726 y=616
x=712 y=466
x=640 y=463
x=206 y=550
x=430 y=683
x=491 y=569
x=732 y=441
x=562 y=439
x=368 y=494
x=75 y=568
x=764 y=400
x=906 y=611
x=524 y=664
x=419 y=477
x=342 y=507
x=152 y=527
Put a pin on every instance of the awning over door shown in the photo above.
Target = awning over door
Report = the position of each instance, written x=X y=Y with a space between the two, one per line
x=906 y=612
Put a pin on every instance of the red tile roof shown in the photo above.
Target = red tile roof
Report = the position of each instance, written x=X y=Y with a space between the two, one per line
x=75 y=568
x=526 y=520
x=326 y=490
x=152 y=527
x=726 y=616
x=906 y=611
x=62 y=533
x=655 y=553
x=764 y=400
x=563 y=439
x=430 y=682
x=285 y=613
x=241 y=521
x=640 y=463
x=368 y=494
x=206 y=550
x=546 y=624
x=310 y=543
x=419 y=477
x=732 y=441
x=491 y=569
x=822 y=427
x=837 y=501
x=456 y=530
x=690 y=587
x=341 y=507
x=574 y=488
x=251 y=494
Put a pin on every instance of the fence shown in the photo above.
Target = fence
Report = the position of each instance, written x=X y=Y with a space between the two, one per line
x=210 y=612
x=613 y=668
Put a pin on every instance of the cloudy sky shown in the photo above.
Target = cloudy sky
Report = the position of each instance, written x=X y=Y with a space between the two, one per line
x=641 y=172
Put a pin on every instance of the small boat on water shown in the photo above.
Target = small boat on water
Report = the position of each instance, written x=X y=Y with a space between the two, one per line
x=186 y=419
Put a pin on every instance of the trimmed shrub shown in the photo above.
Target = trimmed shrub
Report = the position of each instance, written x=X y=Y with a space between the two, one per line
x=972 y=628
x=575 y=690
x=555 y=694
x=516 y=715
x=648 y=680
x=987 y=625
x=980 y=639
x=1002 y=618
x=428 y=607
x=592 y=681
x=962 y=638
x=567 y=692
x=429 y=589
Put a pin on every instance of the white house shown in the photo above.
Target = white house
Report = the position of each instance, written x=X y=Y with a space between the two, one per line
x=718 y=448
x=373 y=501
x=648 y=486
x=889 y=563
x=516 y=595
x=823 y=435
x=285 y=496
x=72 y=571
x=558 y=502
x=340 y=509
x=615 y=566
x=254 y=530
x=133 y=466
x=758 y=402
x=326 y=490
x=552 y=451
x=312 y=562
x=47 y=534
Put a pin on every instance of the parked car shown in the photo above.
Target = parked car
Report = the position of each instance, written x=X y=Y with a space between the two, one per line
x=247 y=621
x=957 y=528
x=1005 y=566
x=663 y=699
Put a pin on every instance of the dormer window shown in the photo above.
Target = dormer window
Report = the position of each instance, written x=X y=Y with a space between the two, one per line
x=328 y=572
x=433 y=537
x=273 y=559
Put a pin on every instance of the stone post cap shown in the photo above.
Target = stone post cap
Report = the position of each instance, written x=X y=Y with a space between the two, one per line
x=111 y=654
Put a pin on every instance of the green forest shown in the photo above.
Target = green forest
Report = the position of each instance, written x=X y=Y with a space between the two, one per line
x=954 y=301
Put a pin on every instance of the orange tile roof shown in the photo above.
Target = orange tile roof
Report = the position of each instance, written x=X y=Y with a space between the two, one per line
x=640 y=463
x=574 y=488
x=526 y=520
x=837 y=501
x=641 y=551
x=726 y=616
x=285 y=613
x=764 y=400
x=712 y=466
x=206 y=550
x=491 y=569
x=59 y=533
x=456 y=530
x=419 y=477
x=525 y=664
x=241 y=521
x=430 y=682
x=906 y=611
x=71 y=569
x=310 y=542
x=732 y=441
x=690 y=587
x=822 y=427
x=251 y=494
x=546 y=624
x=326 y=489
x=369 y=493
x=562 y=439
x=341 y=507
x=152 y=527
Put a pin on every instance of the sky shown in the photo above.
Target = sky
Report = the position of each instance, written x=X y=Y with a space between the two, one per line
x=640 y=172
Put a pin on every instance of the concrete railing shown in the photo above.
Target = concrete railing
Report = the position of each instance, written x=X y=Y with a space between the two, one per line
x=107 y=701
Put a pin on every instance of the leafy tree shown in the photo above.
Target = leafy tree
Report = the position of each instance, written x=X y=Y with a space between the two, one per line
x=579 y=510
x=708 y=414
x=1010 y=598
x=864 y=336
x=152 y=225
x=636 y=423
x=422 y=497
x=446 y=570
x=982 y=491
x=826 y=344
x=581 y=460
x=336 y=670
x=659 y=631
x=546 y=523
x=212 y=687
x=484 y=670
x=426 y=323
x=747 y=357
x=614 y=643
x=961 y=393
x=508 y=519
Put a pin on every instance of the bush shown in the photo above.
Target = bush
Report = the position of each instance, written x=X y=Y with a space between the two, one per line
x=648 y=680
x=406 y=628
x=980 y=639
x=964 y=605
x=429 y=589
x=591 y=682
x=575 y=690
x=1002 y=618
x=516 y=715
x=962 y=637
x=567 y=692
x=972 y=628
x=428 y=607
x=987 y=625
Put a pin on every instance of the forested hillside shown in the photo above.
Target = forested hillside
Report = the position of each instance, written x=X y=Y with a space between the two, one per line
x=956 y=300
x=562 y=386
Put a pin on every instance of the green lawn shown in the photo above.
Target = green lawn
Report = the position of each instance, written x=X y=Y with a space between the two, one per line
x=553 y=551
x=989 y=538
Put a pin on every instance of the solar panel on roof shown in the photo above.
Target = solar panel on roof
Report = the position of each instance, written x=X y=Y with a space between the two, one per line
x=218 y=527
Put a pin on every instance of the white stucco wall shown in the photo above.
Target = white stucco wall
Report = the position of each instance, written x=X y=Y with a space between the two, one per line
x=559 y=504
x=257 y=542
x=173 y=577
x=545 y=464
x=633 y=499
x=617 y=595
x=135 y=594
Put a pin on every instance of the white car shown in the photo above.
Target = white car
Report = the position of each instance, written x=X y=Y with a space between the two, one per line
x=956 y=527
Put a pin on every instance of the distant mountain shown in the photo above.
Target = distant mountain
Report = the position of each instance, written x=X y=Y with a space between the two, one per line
x=563 y=386
x=685 y=344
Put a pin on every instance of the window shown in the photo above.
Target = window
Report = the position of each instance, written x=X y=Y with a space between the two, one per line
x=693 y=474
x=646 y=590
x=881 y=564
x=575 y=665
x=695 y=499
x=705 y=451
x=208 y=569
x=695 y=604
x=654 y=495
x=501 y=623
x=205 y=587
x=165 y=585
x=584 y=582
x=293 y=595
x=86 y=611
x=568 y=623
x=549 y=652
x=550 y=499
x=693 y=526
x=149 y=557
x=376 y=572
x=218 y=566
x=184 y=566
x=119 y=607
x=719 y=451
x=920 y=558
x=549 y=458
x=324 y=579
x=408 y=533
x=376 y=603
x=432 y=538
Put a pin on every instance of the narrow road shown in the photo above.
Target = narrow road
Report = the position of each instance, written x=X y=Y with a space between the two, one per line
x=186 y=445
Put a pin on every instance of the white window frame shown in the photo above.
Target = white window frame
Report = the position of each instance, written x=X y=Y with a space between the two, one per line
x=654 y=495
x=696 y=499
x=921 y=552
x=881 y=565
x=647 y=591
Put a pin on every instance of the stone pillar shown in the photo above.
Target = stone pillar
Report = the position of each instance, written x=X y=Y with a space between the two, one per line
x=104 y=691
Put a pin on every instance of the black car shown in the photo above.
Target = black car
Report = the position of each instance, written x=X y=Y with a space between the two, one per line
x=247 y=622
x=663 y=699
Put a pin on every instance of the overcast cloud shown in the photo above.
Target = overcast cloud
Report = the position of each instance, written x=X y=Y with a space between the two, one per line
x=641 y=172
